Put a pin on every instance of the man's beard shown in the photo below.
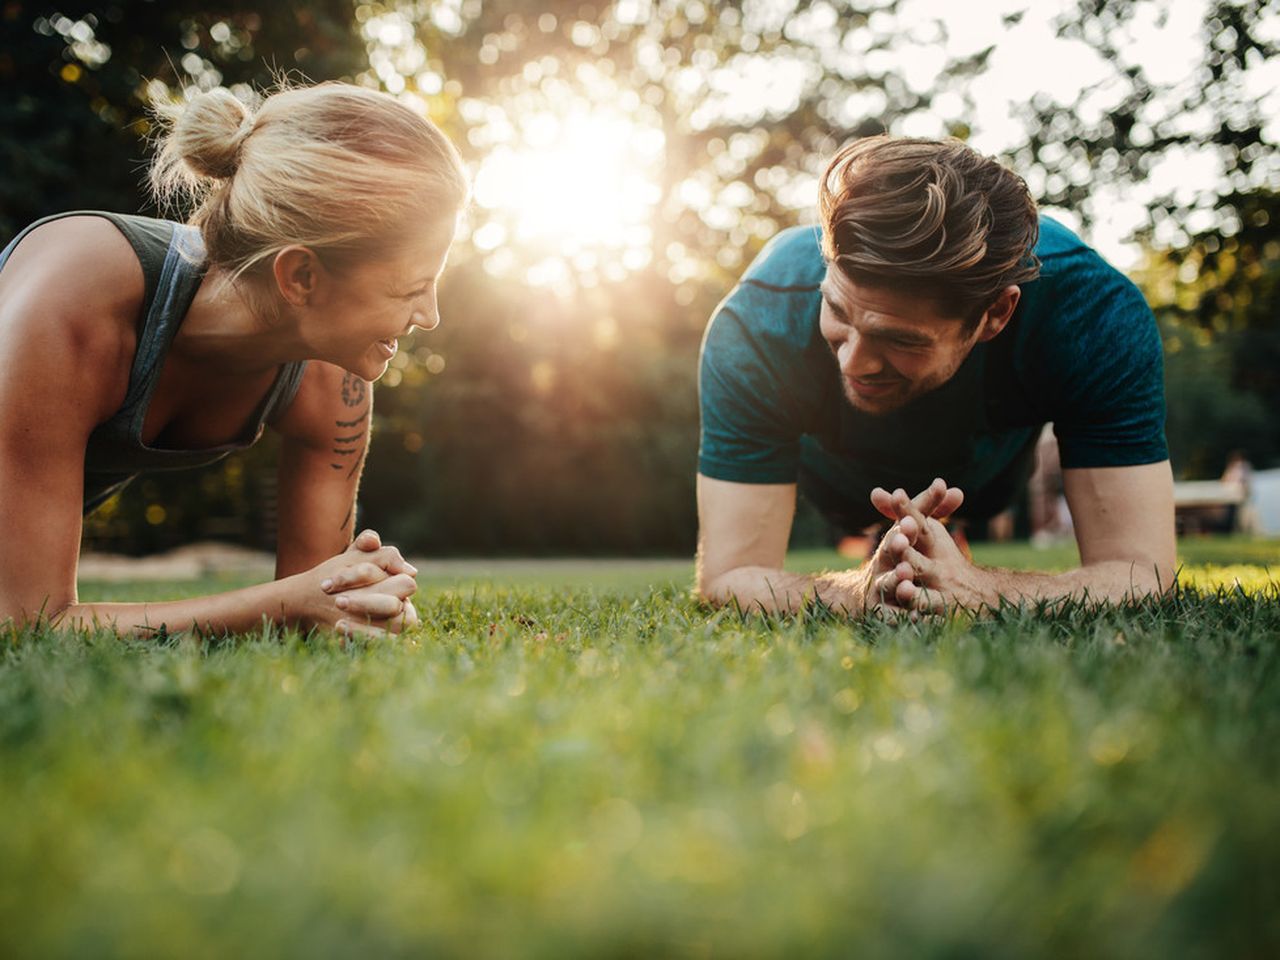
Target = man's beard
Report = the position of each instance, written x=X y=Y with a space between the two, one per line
x=904 y=393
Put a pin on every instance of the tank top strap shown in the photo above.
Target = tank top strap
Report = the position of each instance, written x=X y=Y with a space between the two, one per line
x=283 y=391
x=181 y=273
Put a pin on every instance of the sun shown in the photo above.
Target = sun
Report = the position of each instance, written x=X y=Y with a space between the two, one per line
x=568 y=192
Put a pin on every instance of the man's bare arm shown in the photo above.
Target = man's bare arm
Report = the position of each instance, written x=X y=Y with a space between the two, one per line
x=1124 y=529
x=743 y=531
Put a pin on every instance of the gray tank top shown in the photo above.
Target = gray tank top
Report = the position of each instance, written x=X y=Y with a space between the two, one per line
x=172 y=258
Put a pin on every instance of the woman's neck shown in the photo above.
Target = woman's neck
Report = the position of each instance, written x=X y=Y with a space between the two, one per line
x=233 y=328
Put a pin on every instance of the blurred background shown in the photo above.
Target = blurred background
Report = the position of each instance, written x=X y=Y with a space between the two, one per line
x=629 y=159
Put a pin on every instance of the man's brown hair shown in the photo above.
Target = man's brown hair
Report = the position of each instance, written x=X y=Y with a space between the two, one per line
x=931 y=217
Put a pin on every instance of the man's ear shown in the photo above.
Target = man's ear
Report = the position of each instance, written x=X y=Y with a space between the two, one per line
x=297 y=271
x=999 y=313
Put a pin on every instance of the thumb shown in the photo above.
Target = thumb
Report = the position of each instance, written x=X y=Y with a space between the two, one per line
x=367 y=540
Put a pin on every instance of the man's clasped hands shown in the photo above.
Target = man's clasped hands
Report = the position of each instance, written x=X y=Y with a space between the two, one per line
x=918 y=568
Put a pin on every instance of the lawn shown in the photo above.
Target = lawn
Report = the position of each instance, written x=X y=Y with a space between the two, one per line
x=583 y=762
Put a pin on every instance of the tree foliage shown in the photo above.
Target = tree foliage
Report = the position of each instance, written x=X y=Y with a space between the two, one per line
x=555 y=409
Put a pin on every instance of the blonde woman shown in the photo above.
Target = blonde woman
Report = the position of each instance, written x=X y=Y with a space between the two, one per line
x=129 y=344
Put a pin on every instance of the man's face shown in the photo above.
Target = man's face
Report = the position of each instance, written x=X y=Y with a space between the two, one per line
x=891 y=347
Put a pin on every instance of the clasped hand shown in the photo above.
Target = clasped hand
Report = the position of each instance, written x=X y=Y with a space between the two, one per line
x=366 y=589
x=918 y=567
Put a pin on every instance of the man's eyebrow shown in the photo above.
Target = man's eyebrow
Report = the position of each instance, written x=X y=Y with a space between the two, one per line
x=835 y=308
x=906 y=337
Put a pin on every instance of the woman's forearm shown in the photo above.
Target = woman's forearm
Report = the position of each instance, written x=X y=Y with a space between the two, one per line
x=233 y=611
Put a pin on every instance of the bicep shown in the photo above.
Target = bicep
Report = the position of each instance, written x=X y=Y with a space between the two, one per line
x=1124 y=513
x=325 y=437
x=742 y=525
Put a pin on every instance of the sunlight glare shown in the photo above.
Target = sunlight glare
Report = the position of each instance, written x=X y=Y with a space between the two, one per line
x=578 y=189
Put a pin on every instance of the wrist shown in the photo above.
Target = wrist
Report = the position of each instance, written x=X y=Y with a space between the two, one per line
x=293 y=603
x=845 y=592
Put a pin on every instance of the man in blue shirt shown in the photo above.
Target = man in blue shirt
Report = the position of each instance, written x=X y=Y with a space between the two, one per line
x=929 y=328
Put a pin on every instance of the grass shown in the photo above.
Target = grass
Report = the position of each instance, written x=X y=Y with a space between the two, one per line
x=592 y=765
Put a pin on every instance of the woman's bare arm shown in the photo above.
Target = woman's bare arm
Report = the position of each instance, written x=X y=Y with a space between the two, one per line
x=325 y=437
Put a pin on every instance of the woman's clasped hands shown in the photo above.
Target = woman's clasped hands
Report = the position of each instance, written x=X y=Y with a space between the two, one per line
x=367 y=589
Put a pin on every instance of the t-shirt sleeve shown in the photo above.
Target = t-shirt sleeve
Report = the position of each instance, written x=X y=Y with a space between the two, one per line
x=1103 y=371
x=749 y=428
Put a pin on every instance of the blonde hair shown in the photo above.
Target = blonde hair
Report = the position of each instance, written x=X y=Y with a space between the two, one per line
x=930 y=216
x=342 y=169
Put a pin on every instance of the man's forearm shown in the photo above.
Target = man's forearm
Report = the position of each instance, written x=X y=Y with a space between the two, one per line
x=769 y=590
x=1110 y=581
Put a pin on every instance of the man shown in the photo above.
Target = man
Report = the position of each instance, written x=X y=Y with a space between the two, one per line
x=929 y=328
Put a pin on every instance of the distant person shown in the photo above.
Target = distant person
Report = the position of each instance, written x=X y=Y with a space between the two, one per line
x=928 y=329
x=131 y=344
x=1238 y=476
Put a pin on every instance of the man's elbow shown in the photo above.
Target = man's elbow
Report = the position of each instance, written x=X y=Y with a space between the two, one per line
x=1149 y=577
x=710 y=590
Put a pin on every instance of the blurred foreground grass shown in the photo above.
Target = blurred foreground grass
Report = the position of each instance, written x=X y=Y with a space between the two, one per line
x=553 y=769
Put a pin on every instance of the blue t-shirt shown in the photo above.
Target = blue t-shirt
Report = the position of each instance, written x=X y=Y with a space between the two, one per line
x=1081 y=351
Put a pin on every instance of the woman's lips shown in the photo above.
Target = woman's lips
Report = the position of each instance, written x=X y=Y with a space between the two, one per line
x=389 y=347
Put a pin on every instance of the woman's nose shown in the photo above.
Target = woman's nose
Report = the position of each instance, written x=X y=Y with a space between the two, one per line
x=426 y=317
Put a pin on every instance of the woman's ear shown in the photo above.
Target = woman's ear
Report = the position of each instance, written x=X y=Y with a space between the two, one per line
x=1000 y=312
x=297 y=271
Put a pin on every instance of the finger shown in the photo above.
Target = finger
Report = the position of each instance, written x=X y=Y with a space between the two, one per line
x=409 y=618
x=884 y=589
x=889 y=551
x=949 y=504
x=367 y=540
x=926 y=601
x=908 y=508
x=362 y=574
x=351 y=628
x=931 y=497
x=401 y=586
x=922 y=568
x=389 y=559
x=882 y=500
x=367 y=605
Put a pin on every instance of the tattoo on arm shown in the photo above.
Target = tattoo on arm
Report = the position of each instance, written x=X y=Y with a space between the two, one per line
x=350 y=434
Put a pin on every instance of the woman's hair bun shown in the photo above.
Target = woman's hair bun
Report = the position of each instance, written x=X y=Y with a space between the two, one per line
x=208 y=133
x=336 y=167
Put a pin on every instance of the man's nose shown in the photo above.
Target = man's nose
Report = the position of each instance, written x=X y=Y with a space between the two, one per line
x=858 y=358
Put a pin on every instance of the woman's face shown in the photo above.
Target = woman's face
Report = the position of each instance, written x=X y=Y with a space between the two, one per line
x=374 y=303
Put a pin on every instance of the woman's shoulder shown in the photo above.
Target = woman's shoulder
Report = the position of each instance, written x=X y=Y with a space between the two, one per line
x=70 y=296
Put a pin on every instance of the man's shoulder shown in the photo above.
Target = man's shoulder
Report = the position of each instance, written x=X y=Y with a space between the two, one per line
x=1057 y=240
x=1076 y=283
x=791 y=262
x=777 y=298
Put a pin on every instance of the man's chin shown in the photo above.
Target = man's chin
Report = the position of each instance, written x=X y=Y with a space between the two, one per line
x=875 y=406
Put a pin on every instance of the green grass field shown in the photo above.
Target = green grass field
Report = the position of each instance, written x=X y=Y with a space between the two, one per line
x=587 y=763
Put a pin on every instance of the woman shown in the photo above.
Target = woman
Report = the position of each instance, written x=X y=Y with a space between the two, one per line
x=129 y=344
